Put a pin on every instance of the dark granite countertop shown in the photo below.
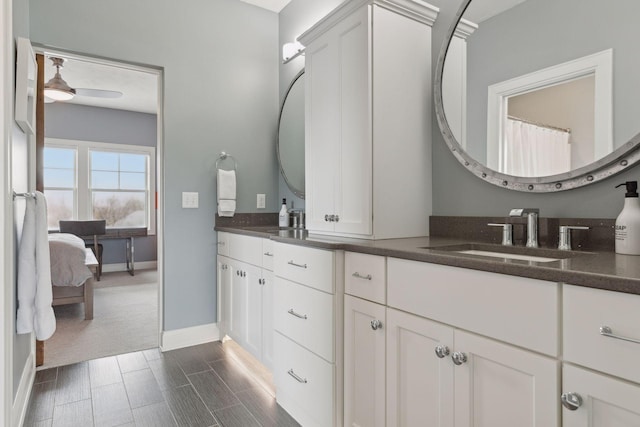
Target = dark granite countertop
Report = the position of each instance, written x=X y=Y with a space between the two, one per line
x=602 y=270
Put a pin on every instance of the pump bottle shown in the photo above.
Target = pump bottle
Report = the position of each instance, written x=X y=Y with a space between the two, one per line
x=627 y=231
x=283 y=216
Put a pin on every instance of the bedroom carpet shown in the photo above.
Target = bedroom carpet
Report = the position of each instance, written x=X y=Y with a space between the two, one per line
x=125 y=319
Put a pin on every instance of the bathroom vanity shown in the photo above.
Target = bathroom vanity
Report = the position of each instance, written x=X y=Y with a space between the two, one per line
x=400 y=331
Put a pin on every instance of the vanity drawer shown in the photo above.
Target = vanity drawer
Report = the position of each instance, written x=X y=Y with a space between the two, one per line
x=267 y=254
x=309 y=399
x=309 y=266
x=246 y=248
x=223 y=243
x=365 y=276
x=585 y=311
x=517 y=310
x=305 y=315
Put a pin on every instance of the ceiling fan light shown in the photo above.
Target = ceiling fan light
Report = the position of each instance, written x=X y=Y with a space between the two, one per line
x=58 y=89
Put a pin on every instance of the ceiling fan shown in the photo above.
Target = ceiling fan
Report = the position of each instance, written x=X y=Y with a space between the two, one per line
x=57 y=89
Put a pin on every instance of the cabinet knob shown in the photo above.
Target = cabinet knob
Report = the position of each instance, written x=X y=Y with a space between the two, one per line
x=571 y=401
x=336 y=218
x=376 y=324
x=459 y=358
x=328 y=218
x=442 y=351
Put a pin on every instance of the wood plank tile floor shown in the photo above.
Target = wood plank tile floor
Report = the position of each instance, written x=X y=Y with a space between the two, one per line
x=205 y=385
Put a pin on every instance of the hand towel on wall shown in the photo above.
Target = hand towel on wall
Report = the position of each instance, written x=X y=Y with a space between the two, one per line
x=35 y=295
x=226 y=192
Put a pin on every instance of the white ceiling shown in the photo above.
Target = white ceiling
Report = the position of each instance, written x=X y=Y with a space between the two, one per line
x=140 y=89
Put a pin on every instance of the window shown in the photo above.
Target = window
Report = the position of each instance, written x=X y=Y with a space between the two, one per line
x=92 y=180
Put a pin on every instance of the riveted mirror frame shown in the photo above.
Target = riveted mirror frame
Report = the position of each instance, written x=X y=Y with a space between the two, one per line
x=299 y=192
x=617 y=161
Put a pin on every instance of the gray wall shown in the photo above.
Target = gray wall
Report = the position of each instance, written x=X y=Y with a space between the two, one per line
x=527 y=31
x=20 y=176
x=220 y=93
x=297 y=17
x=85 y=123
x=458 y=192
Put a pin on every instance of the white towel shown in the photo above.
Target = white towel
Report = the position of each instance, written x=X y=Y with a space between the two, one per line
x=226 y=183
x=35 y=295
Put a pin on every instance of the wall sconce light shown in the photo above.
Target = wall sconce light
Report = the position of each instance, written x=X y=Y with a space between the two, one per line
x=291 y=51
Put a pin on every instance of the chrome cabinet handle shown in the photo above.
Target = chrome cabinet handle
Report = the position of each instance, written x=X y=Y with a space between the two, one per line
x=297 y=378
x=336 y=218
x=360 y=276
x=571 y=401
x=268 y=254
x=299 y=316
x=328 y=218
x=376 y=324
x=607 y=332
x=297 y=265
x=442 y=351
x=261 y=281
x=459 y=358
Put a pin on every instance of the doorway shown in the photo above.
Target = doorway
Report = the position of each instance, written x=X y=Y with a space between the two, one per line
x=110 y=133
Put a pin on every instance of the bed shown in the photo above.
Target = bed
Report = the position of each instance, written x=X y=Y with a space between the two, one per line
x=72 y=271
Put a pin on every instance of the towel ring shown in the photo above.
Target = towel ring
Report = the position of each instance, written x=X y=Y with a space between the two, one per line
x=224 y=156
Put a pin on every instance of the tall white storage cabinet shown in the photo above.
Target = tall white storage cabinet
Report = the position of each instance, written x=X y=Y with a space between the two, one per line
x=368 y=120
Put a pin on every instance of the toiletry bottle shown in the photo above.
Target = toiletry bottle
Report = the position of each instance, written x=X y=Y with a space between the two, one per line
x=627 y=229
x=283 y=217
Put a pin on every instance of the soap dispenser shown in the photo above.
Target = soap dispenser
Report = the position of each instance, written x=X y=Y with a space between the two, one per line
x=283 y=216
x=627 y=231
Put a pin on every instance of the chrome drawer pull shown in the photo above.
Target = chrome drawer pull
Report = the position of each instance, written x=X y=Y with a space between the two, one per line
x=298 y=378
x=297 y=265
x=299 y=316
x=360 y=276
x=268 y=254
x=607 y=332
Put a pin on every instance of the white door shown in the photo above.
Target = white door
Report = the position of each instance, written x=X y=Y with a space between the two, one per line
x=253 y=338
x=238 y=302
x=503 y=386
x=267 y=318
x=364 y=363
x=419 y=382
x=353 y=202
x=224 y=294
x=606 y=401
x=321 y=131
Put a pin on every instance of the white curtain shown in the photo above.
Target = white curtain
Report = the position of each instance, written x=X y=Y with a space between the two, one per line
x=532 y=150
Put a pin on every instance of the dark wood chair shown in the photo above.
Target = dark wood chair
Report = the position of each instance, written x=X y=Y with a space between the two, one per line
x=86 y=229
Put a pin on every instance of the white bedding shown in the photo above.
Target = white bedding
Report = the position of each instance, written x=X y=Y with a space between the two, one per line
x=67 y=260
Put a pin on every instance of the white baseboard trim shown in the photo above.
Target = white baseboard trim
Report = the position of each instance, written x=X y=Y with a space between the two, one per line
x=187 y=337
x=21 y=402
x=139 y=265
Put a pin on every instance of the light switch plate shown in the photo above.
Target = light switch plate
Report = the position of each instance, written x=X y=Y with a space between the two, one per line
x=261 y=201
x=189 y=200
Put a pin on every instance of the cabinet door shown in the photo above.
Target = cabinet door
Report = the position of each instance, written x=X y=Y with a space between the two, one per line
x=364 y=363
x=224 y=294
x=503 y=386
x=237 y=296
x=419 y=383
x=353 y=194
x=267 y=318
x=321 y=131
x=606 y=401
x=253 y=338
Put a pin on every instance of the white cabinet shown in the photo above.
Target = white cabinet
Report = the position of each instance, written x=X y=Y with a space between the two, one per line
x=442 y=368
x=245 y=285
x=610 y=397
x=365 y=367
x=308 y=333
x=605 y=401
x=365 y=95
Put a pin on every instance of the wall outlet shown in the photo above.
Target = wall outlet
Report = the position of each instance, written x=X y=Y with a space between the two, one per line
x=261 y=201
x=189 y=200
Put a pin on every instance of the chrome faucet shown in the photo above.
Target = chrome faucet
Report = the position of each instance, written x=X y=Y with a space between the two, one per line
x=532 y=224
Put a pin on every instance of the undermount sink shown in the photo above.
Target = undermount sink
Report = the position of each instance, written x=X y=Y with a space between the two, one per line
x=508 y=252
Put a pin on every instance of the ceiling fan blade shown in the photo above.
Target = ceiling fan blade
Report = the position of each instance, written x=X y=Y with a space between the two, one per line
x=98 y=93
